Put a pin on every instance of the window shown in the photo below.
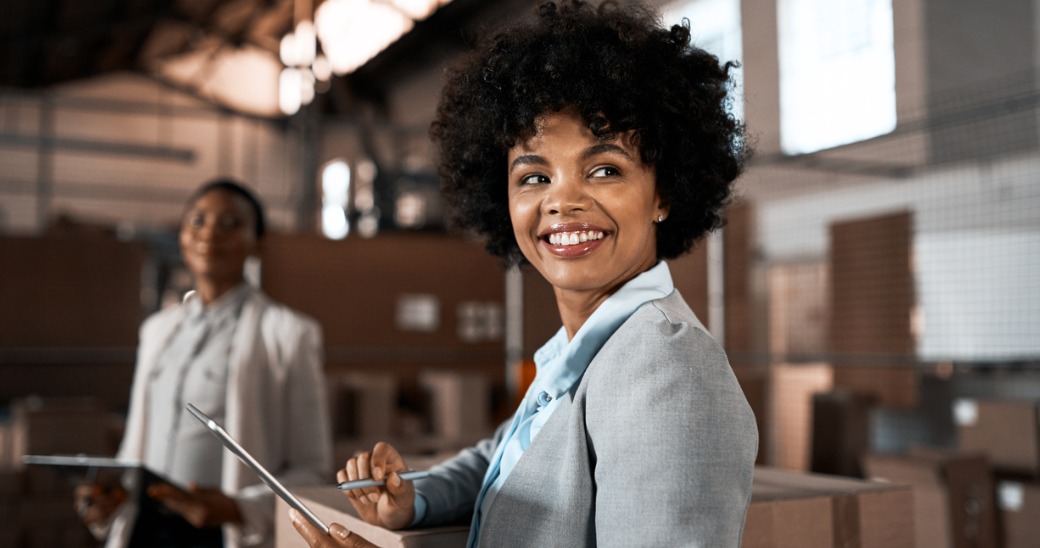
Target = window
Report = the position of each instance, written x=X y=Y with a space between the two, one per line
x=335 y=190
x=715 y=28
x=837 y=72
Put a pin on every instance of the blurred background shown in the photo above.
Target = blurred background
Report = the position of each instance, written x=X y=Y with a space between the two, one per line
x=877 y=287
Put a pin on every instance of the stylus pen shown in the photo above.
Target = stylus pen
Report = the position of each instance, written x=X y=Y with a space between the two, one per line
x=409 y=475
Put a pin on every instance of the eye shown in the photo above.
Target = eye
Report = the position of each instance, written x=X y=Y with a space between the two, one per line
x=533 y=179
x=197 y=219
x=605 y=171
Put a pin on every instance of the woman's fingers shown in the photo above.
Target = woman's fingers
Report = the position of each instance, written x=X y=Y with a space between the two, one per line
x=364 y=470
x=338 y=537
x=390 y=505
x=386 y=458
x=342 y=476
x=346 y=538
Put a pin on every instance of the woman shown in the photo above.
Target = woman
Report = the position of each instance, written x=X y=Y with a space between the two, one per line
x=252 y=364
x=606 y=142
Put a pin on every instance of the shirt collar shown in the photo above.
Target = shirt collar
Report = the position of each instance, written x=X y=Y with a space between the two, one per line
x=221 y=308
x=560 y=363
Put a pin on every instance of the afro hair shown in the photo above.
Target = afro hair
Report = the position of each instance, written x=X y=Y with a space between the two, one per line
x=622 y=72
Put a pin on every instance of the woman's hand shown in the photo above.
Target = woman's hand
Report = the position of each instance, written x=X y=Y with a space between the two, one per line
x=338 y=535
x=96 y=503
x=202 y=506
x=391 y=506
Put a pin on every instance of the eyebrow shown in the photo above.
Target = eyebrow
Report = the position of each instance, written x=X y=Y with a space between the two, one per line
x=601 y=148
x=527 y=160
x=604 y=148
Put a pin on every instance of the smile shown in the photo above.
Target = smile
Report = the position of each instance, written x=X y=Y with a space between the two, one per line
x=574 y=238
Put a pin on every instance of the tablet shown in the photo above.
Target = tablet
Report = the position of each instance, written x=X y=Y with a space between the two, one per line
x=266 y=476
x=152 y=522
x=99 y=470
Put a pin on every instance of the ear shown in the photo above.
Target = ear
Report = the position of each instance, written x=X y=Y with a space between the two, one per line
x=662 y=208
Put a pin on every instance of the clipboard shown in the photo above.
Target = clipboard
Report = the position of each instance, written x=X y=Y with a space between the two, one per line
x=96 y=469
x=153 y=523
x=232 y=445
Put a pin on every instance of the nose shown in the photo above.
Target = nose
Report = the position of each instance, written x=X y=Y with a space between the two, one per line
x=566 y=194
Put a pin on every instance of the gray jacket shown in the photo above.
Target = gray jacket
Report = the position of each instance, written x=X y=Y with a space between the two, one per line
x=654 y=447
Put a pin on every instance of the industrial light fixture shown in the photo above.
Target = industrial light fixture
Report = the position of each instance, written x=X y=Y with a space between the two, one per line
x=349 y=32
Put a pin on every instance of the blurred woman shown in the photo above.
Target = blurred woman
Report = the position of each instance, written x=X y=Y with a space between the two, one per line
x=248 y=362
x=593 y=145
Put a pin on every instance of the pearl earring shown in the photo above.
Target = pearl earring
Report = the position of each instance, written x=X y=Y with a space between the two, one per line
x=660 y=218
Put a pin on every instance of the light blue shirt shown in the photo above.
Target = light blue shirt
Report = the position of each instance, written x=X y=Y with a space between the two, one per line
x=560 y=365
x=192 y=368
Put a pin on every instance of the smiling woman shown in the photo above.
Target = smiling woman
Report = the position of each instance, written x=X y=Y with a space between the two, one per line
x=593 y=145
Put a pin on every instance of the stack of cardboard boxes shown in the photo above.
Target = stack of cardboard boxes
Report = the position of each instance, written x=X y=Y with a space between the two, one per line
x=985 y=491
x=953 y=495
x=795 y=509
x=1007 y=432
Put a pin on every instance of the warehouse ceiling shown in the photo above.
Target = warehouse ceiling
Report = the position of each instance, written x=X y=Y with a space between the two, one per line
x=44 y=43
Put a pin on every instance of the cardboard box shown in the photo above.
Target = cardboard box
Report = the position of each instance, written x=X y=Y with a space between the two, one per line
x=797 y=509
x=953 y=495
x=792 y=387
x=1019 y=505
x=780 y=518
x=460 y=405
x=363 y=405
x=1007 y=432
x=840 y=432
x=332 y=506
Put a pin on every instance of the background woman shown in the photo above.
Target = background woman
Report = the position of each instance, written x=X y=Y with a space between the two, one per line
x=248 y=362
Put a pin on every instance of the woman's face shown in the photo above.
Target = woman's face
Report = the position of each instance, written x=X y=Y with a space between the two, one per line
x=583 y=209
x=217 y=235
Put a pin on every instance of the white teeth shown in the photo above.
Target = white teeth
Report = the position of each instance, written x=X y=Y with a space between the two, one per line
x=575 y=238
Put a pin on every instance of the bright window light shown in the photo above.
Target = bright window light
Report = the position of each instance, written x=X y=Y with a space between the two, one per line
x=714 y=27
x=334 y=223
x=416 y=9
x=335 y=192
x=837 y=72
x=290 y=90
x=354 y=31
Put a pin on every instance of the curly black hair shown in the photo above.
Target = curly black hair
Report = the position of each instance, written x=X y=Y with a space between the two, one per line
x=622 y=71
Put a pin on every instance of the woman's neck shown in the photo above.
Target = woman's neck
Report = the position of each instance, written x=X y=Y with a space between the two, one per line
x=576 y=308
x=211 y=290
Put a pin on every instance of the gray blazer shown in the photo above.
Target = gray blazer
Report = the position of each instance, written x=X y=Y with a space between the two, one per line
x=654 y=447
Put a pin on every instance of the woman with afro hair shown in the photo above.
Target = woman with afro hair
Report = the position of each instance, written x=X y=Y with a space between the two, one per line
x=592 y=144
